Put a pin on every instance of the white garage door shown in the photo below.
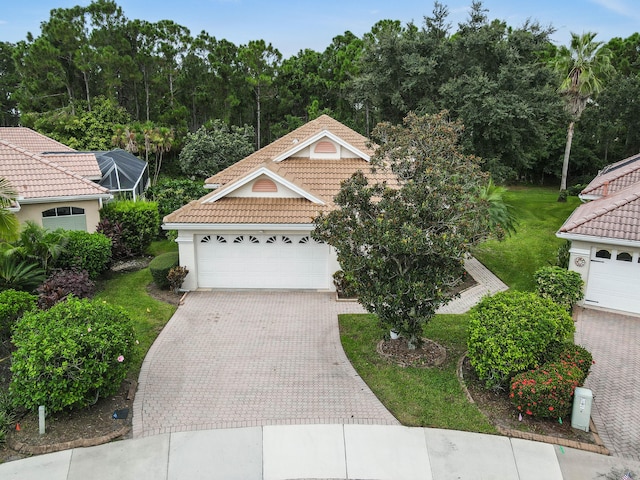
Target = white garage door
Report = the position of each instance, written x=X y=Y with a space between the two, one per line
x=614 y=280
x=262 y=261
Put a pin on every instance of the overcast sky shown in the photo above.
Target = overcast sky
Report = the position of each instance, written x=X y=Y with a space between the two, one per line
x=294 y=25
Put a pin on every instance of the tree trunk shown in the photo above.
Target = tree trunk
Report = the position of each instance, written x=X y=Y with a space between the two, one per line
x=85 y=76
x=567 y=152
x=258 y=106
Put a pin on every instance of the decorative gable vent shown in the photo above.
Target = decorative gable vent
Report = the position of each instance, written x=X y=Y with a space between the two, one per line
x=264 y=185
x=325 y=147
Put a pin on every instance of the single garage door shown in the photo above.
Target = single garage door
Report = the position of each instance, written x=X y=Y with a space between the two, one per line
x=262 y=261
x=614 y=280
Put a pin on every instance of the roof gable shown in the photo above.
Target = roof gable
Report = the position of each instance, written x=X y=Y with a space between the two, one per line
x=320 y=140
x=264 y=172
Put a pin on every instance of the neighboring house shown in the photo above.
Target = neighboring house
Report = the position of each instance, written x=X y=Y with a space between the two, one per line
x=122 y=173
x=49 y=194
x=605 y=238
x=254 y=229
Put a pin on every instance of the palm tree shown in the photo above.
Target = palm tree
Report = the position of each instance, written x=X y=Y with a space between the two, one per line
x=584 y=66
x=9 y=224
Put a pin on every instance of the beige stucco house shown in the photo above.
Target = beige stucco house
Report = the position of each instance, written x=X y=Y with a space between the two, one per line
x=55 y=187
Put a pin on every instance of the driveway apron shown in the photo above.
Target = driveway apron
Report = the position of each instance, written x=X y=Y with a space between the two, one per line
x=612 y=339
x=239 y=359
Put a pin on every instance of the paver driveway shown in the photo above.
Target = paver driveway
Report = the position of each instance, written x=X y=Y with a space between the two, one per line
x=234 y=359
x=613 y=341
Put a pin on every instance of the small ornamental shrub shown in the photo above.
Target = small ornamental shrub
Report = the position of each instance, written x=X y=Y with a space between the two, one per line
x=113 y=231
x=572 y=354
x=63 y=283
x=546 y=392
x=13 y=304
x=86 y=251
x=176 y=277
x=509 y=333
x=7 y=415
x=563 y=255
x=70 y=355
x=344 y=284
x=139 y=220
x=160 y=267
x=562 y=286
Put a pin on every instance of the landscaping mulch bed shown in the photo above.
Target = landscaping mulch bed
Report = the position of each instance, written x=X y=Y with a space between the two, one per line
x=430 y=353
x=501 y=413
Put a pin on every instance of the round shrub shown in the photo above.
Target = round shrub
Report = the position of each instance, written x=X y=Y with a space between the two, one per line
x=546 y=392
x=510 y=331
x=86 y=251
x=160 y=267
x=560 y=285
x=63 y=283
x=139 y=222
x=13 y=304
x=572 y=354
x=70 y=355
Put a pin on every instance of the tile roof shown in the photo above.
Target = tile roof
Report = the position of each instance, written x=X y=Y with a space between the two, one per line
x=321 y=178
x=31 y=140
x=34 y=176
x=82 y=163
x=615 y=216
x=615 y=177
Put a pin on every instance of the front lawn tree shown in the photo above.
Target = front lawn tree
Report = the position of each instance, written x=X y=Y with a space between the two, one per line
x=404 y=242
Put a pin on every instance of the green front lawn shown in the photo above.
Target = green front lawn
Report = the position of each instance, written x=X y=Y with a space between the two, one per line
x=534 y=245
x=129 y=291
x=430 y=397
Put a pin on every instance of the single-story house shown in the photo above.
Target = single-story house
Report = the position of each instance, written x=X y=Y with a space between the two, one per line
x=254 y=229
x=605 y=238
x=48 y=193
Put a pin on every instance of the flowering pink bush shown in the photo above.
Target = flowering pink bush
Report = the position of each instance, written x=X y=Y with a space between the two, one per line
x=547 y=391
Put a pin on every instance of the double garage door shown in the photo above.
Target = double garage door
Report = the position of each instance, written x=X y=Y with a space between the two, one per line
x=270 y=261
x=614 y=280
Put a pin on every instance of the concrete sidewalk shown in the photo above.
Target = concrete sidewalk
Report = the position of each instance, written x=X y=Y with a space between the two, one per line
x=319 y=451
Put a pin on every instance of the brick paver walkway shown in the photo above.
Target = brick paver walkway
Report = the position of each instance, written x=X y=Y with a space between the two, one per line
x=237 y=359
x=613 y=340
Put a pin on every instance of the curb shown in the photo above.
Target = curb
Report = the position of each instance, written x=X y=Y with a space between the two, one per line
x=507 y=432
x=56 y=447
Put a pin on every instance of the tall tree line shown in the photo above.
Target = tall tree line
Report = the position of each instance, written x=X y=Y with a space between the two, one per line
x=92 y=68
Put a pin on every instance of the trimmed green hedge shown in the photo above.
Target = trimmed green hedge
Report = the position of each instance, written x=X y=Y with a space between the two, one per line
x=510 y=332
x=13 y=304
x=70 y=355
x=86 y=251
x=160 y=267
x=139 y=221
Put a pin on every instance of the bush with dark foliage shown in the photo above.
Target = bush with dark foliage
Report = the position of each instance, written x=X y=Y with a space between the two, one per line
x=63 y=283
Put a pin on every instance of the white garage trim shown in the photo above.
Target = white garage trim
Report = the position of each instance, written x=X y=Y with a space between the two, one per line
x=258 y=260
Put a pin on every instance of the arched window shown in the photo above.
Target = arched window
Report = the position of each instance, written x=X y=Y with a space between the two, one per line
x=603 y=254
x=624 y=257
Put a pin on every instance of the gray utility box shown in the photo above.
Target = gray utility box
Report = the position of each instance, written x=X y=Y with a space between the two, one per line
x=581 y=413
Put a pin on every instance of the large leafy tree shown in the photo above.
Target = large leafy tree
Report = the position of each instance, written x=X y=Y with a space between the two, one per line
x=214 y=147
x=584 y=66
x=404 y=243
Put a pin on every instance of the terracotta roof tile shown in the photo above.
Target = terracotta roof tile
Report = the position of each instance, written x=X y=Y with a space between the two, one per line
x=33 y=176
x=31 y=140
x=616 y=216
x=82 y=163
x=615 y=177
x=247 y=210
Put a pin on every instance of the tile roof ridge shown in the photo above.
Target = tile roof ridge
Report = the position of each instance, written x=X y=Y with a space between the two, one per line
x=51 y=164
x=609 y=204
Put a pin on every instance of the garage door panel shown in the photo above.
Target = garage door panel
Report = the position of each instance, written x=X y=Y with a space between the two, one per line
x=262 y=261
x=614 y=284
